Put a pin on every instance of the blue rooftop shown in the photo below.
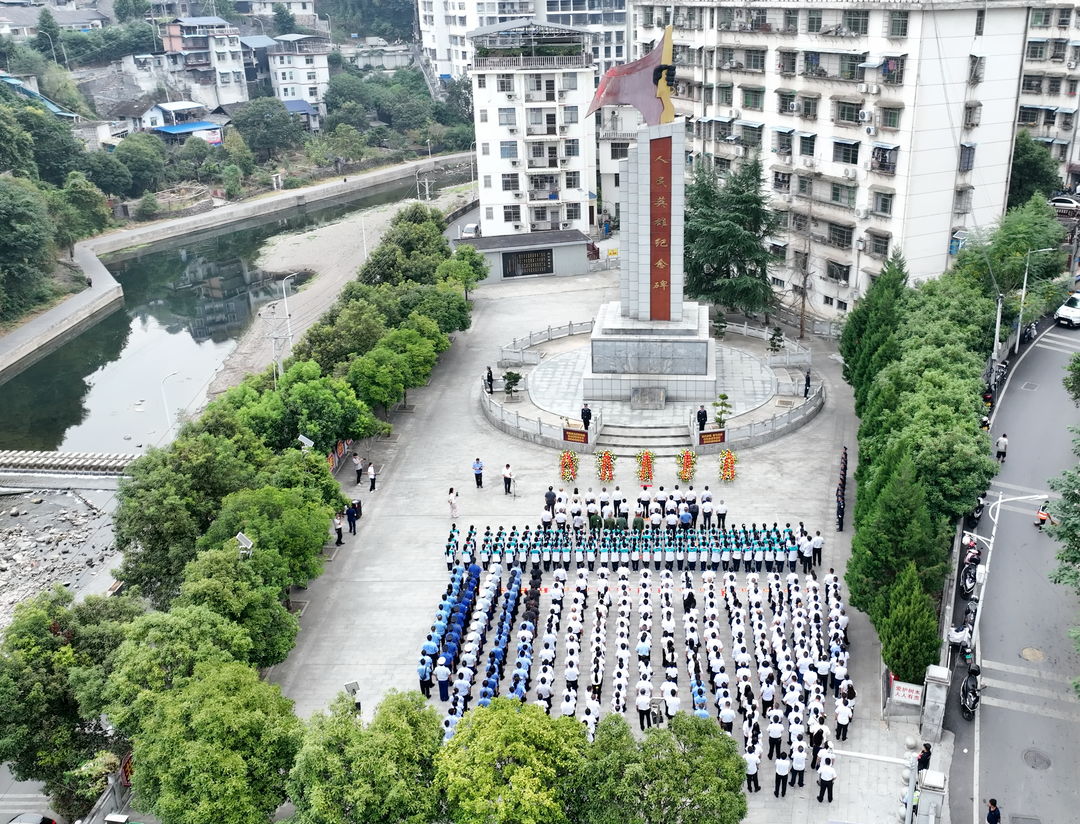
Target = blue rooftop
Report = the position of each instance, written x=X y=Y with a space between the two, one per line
x=187 y=128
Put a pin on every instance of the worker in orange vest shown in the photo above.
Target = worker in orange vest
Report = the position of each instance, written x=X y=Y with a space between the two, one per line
x=1044 y=516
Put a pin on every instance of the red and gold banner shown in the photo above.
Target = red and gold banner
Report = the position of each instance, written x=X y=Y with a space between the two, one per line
x=575 y=435
x=712 y=436
x=660 y=221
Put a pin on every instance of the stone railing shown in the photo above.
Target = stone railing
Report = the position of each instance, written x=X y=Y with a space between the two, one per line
x=515 y=354
x=535 y=430
x=756 y=433
x=794 y=352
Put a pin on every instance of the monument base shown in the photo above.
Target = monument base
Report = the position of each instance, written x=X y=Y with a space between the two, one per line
x=627 y=354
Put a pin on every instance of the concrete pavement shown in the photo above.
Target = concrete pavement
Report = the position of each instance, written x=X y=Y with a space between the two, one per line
x=366 y=616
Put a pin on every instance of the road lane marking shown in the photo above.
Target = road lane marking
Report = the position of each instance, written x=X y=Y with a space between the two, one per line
x=1060 y=349
x=1010 y=687
x=1030 y=672
x=1004 y=485
x=1016 y=706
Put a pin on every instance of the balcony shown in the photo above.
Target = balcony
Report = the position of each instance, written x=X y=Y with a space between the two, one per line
x=543 y=163
x=613 y=135
x=544 y=194
x=575 y=61
x=309 y=45
x=542 y=130
x=545 y=226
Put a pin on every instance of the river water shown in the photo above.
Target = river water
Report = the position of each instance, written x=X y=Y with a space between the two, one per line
x=186 y=304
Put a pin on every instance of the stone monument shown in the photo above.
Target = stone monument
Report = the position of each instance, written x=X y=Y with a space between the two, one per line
x=651 y=339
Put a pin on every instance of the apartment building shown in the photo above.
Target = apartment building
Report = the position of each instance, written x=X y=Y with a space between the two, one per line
x=878 y=127
x=206 y=50
x=299 y=70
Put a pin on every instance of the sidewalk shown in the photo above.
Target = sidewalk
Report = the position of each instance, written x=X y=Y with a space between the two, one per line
x=366 y=616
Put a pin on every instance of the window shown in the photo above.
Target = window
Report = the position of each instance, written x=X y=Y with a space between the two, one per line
x=839 y=236
x=311 y=75
x=827 y=300
x=511 y=214
x=508 y=149
x=806 y=185
x=976 y=68
x=620 y=151
x=857 y=21
x=1072 y=87
x=727 y=56
x=505 y=82
x=481 y=81
x=507 y=117
x=898 y=21
x=799 y=261
x=573 y=211
x=841 y=305
x=785 y=102
x=962 y=200
x=791 y=21
x=890 y=118
x=837 y=271
x=980 y=21
x=1036 y=50
x=883 y=203
x=483 y=116
x=510 y=182
x=224 y=77
x=782 y=143
x=313 y=91
x=722 y=165
x=845 y=152
x=809 y=107
x=1032 y=83
x=972 y=115
x=572 y=148
x=1058 y=49
x=1064 y=18
x=799 y=223
x=844 y=195
x=570 y=114
x=751 y=135
x=847 y=112
x=781 y=181
x=1066 y=120
x=573 y=180
x=647 y=16
x=487 y=181
x=755 y=60
x=780 y=255
x=1041 y=18
x=753 y=99
x=785 y=62
x=569 y=80
x=892 y=71
x=1053 y=85
x=1049 y=117
x=813 y=21
x=1028 y=116
x=616 y=176
x=485 y=149
x=725 y=94
x=806 y=144
x=877 y=245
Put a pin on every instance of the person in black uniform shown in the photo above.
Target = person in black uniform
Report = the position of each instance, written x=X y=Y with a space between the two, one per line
x=702 y=418
x=586 y=416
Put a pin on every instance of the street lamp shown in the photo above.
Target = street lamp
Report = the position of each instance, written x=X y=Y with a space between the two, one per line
x=255 y=19
x=53 y=47
x=168 y=417
x=245 y=545
x=1023 y=294
x=285 y=297
x=429 y=149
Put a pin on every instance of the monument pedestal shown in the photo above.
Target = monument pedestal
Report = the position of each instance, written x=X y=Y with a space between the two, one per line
x=625 y=353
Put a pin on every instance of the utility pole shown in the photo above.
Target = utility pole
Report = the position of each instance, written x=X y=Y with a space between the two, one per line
x=275 y=337
x=806 y=265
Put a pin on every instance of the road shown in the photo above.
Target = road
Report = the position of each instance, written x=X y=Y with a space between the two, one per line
x=1024 y=746
x=19 y=796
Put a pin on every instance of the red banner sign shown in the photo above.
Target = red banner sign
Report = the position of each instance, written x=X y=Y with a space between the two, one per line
x=660 y=220
x=575 y=435
x=712 y=436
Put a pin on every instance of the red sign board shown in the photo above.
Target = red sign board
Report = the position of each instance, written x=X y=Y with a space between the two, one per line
x=127 y=769
x=904 y=693
x=660 y=224
x=575 y=435
x=711 y=436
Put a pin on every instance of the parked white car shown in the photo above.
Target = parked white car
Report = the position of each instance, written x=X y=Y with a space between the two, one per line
x=1069 y=312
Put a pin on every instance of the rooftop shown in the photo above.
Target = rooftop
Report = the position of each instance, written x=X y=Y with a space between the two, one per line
x=529 y=37
x=533 y=240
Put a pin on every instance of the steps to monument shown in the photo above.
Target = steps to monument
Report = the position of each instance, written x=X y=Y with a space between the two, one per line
x=665 y=441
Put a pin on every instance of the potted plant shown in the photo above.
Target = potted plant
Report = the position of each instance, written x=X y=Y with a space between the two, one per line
x=723 y=409
x=510 y=382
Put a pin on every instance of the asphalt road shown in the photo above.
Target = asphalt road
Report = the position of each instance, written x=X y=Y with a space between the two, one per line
x=1023 y=747
x=19 y=796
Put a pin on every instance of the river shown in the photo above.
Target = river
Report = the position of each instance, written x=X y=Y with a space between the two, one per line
x=186 y=303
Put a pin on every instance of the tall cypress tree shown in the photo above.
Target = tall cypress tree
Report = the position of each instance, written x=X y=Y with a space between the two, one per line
x=909 y=637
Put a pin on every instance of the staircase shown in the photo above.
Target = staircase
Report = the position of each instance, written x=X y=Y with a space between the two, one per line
x=627 y=441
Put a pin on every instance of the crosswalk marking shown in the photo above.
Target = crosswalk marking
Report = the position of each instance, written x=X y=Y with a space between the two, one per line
x=1060 y=348
x=1016 y=488
x=1030 y=672
x=1051 y=694
x=1057 y=336
x=1016 y=706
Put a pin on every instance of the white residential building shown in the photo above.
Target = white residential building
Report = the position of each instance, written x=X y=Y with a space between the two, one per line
x=879 y=127
x=617 y=132
x=536 y=149
x=299 y=69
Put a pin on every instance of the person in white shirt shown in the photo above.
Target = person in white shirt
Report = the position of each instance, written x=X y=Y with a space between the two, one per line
x=642 y=702
x=752 y=760
x=843 y=718
x=798 y=765
x=783 y=769
x=826 y=777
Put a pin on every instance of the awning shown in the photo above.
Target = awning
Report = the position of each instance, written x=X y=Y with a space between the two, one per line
x=846 y=141
x=783 y=129
x=1035 y=74
x=1060 y=142
x=1038 y=39
x=872 y=64
x=805 y=134
x=1074 y=42
x=752 y=87
x=846 y=98
x=723 y=119
x=885 y=190
x=878 y=232
x=1043 y=139
x=969 y=145
x=890 y=104
x=781 y=168
x=786 y=91
x=812 y=95
x=1063 y=110
x=187 y=128
x=771 y=241
x=749 y=123
x=890 y=146
x=707 y=119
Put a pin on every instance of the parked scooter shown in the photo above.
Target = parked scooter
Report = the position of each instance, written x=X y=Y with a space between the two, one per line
x=970 y=692
x=1030 y=331
x=971 y=520
x=968 y=580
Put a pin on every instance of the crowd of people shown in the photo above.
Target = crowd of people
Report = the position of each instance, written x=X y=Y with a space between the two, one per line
x=766 y=647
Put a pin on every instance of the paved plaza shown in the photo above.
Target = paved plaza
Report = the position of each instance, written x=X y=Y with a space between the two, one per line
x=366 y=617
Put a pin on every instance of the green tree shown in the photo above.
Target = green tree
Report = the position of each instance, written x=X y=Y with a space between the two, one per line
x=346 y=88
x=16 y=145
x=89 y=204
x=443 y=303
x=909 y=632
x=232 y=177
x=147 y=208
x=58 y=84
x=1034 y=170
x=385 y=264
x=347 y=142
x=419 y=353
x=48 y=34
x=284 y=20
x=460 y=99
x=467 y=266
x=267 y=127
x=144 y=156
x=341 y=335
x=288 y=523
x=428 y=329
x=510 y=762
x=726 y=259
x=106 y=172
x=56 y=151
x=26 y=239
x=247 y=591
x=346 y=773
x=217 y=750
x=380 y=377
x=418 y=214
x=130 y=10
x=1072 y=378
x=238 y=152
x=159 y=653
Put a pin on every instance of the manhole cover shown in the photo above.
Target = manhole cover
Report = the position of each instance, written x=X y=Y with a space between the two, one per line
x=1032 y=654
x=787 y=404
x=1037 y=760
x=1030 y=387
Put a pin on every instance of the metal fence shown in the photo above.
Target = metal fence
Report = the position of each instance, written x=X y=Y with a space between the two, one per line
x=515 y=351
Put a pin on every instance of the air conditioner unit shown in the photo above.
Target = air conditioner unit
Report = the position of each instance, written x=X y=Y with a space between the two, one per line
x=740 y=151
x=520 y=195
x=786 y=197
x=849 y=173
x=1070 y=65
x=817 y=238
x=871 y=130
x=793 y=107
x=562 y=95
x=808 y=162
x=865 y=116
x=512 y=130
x=866 y=165
x=860 y=213
x=862 y=88
x=873 y=88
x=785 y=159
x=843 y=284
x=515 y=163
x=530 y=96
x=563 y=161
x=517 y=225
x=566 y=225
x=511 y=96
x=734 y=113
x=562 y=129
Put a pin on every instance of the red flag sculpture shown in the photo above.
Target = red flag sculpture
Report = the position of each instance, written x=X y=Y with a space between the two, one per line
x=642 y=84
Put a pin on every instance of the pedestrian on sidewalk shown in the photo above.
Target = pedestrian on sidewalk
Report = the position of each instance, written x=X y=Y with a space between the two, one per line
x=826 y=777
x=358 y=465
x=586 y=416
x=424 y=672
x=721 y=516
x=843 y=718
x=508 y=476
x=338 y=523
x=817 y=544
x=783 y=769
x=839 y=510
x=924 y=758
x=453 y=501
x=442 y=675
x=993 y=814
x=702 y=418
x=478 y=473
x=490 y=380
x=350 y=516
x=371 y=475
x=752 y=760
x=806 y=386
x=1002 y=444
x=359 y=508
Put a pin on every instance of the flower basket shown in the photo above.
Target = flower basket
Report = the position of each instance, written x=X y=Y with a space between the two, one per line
x=568 y=465
x=687 y=460
x=727 y=465
x=605 y=466
x=646 y=461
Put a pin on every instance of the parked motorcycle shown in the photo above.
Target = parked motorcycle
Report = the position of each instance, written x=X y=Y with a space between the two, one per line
x=968 y=580
x=970 y=692
x=1029 y=333
x=971 y=520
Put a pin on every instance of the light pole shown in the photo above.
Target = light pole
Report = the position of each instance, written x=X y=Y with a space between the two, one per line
x=255 y=19
x=168 y=417
x=429 y=149
x=1023 y=294
x=329 y=27
x=52 y=46
x=472 y=166
x=285 y=297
